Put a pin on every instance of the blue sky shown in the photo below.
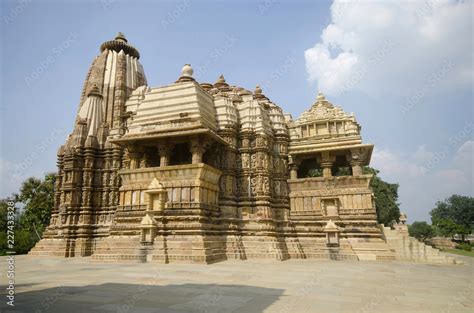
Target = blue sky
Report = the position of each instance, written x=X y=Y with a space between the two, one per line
x=405 y=70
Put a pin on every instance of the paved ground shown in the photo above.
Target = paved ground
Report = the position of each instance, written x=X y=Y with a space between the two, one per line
x=76 y=285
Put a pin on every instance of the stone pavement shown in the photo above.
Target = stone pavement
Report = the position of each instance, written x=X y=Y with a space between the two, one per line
x=76 y=285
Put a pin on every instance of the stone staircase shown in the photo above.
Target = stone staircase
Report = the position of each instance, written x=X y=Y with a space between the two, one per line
x=407 y=248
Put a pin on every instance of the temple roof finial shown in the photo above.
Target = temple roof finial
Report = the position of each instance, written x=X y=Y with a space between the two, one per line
x=187 y=70
x=95 y=91
x=320 y=96
x=221 y=79
x=120 y=43
x=186 y=73
x=121 y=36
x=221 y=84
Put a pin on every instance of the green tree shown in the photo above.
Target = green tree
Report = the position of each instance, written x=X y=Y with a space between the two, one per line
x=37 y=198
x=316 y=172
x=421 y=230
x=386 y=197
x=454 y=215
x=448 y=228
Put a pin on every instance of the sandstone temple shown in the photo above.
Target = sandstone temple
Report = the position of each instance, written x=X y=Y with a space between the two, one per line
x=205 y=172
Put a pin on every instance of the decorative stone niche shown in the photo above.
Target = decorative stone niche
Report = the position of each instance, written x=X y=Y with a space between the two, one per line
x=332 y=234
x=157 y=197
x=148 y=227
x=330 y=206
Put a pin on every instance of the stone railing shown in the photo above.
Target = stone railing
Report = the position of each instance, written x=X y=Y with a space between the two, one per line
x=342 y=195
x=189 y=184
x=324 y=183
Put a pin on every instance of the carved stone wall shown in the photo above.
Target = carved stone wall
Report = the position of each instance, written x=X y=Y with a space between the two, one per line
x=227 y=159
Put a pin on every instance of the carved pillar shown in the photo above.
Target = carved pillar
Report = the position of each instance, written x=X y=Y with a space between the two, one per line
x=87 y=186
x=293 y=171
x=245 y=175
x=145 y=160
x=164 y=150
x=293 y=164
x=356 y=158
x=197 y=149
x=356 y=168
x=326 y=163
x=135 y=157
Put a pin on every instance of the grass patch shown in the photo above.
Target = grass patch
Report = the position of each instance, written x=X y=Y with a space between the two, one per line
x=460 y=252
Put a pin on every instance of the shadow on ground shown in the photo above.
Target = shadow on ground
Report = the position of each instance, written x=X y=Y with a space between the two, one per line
x=131 y=298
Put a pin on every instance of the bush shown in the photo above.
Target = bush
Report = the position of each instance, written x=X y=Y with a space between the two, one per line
x=421 y=230
x=464 y=246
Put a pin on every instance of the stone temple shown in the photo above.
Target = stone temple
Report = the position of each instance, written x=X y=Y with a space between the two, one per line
x=201 y=172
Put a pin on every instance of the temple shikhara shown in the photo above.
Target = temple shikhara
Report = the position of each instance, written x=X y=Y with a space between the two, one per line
x=205 y=172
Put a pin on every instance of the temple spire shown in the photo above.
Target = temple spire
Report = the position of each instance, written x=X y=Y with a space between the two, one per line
x=121 y=37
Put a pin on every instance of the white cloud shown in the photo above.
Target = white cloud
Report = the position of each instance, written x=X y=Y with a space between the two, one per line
x=392 y=164
x=464 y=156
x=423 y=155
x=452 y=177
x=421 y=185
x=380 y=47
x=9 y=181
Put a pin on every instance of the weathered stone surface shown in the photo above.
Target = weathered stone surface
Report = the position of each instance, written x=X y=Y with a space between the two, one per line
x=241 y=179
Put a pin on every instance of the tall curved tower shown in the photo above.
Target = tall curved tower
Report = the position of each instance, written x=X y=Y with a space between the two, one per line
x=87 y=183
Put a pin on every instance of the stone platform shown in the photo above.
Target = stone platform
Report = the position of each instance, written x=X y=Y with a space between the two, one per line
x=45 y=284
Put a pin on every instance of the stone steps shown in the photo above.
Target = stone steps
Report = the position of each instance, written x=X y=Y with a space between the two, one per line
x=407 y=248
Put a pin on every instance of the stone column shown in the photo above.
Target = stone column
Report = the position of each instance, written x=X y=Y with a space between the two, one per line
x=356 y=168
x=326 y=164
x=135 y=157
x=293 y=164
x=197 y=149
x=164 y=150
x=293 y=171
x=356 y=158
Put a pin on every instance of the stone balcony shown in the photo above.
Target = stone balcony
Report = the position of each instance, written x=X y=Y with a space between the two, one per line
x=187 y=183
x=331 y=197
x=334 y=182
